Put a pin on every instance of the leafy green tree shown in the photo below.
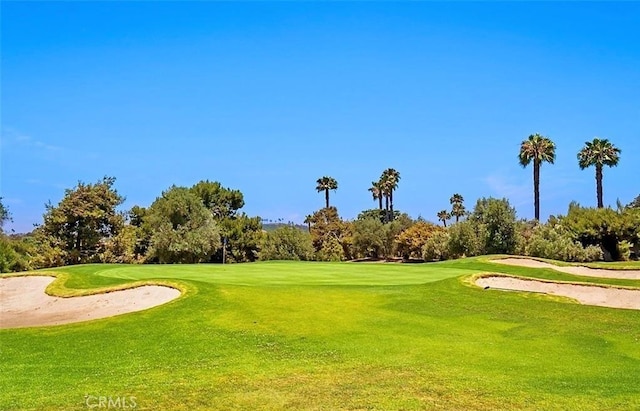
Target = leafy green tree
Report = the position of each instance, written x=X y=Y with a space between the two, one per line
x=84 y=220
x=137 y=215
x=554 y=241
x=595 y=226
x=630 y=229
x=369 y=237
x=243 y=236
x=604 y=227
x=376 y=213
x=5 y=216
x=598 y=153
x=436 y=246
x=457 y=206
x=443 y=216
x=287 y=243
x=392 y=230
x=8 y=256
x=183 y=229
x=46 y=251
x=496 y=220
x=325 y=184
x=537 y=149
x=635 y=203
x=143 y=232
x=222 y=202
x=466 y=239
x=121 y=248
x=331 y=250
x=327 y=226
x=411 y=240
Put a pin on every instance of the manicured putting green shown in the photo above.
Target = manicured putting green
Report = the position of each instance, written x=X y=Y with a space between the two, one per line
x=282 y=273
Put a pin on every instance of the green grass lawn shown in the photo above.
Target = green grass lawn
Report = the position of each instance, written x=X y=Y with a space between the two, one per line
x=285 y=335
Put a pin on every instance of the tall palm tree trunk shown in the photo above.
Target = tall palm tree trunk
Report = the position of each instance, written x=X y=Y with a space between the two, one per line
x=386 y=207
x=380 y=201
x=326 y=196
x=599 y=185
x=391 y=202
x=536 y=188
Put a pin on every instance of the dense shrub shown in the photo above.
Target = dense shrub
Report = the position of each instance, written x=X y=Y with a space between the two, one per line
x=411 y=241
x=327 y=229
x=121 y=248
x=331 y=250
x=554 y=242
x=287 y=243
x=495 y=220
x=368 y=237
x=436 y=247
x=183 y=228
x=465 y=239
x=625 y=250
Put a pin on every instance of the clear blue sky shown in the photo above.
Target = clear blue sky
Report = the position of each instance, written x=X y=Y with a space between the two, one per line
x=268 y=97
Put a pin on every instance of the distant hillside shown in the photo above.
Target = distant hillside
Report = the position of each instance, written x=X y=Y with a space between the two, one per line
x=273 y=226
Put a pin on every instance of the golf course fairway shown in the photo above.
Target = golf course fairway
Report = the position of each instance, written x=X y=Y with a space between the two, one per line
x=325 y=336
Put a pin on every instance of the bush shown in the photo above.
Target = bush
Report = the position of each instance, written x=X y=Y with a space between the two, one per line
x=411 y=241
x=556 y=243
x=368 y=237
x=436 y=247
x=625 y=250
x=15 y=254
x=496 y=221
x=465 y=239
x=287 y=243
x=331 y=251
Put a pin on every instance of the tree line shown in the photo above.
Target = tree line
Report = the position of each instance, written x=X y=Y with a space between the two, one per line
x=203 y=223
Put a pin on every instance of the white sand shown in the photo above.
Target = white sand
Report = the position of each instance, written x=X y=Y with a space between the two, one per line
x=23 y=302
x=584 y=271
x=585 y=294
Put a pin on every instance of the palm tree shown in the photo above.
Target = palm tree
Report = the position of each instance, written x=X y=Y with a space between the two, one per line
x=539 y=149
x=444 y=216
x=376 y=191
x=599 y=153
x=389 y=179
x=457 y=207
x=307 y=220
x=325 y=184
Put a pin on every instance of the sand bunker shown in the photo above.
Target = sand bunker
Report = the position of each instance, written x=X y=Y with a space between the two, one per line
x=585 y=271
x=23 y=302
x=585 y=294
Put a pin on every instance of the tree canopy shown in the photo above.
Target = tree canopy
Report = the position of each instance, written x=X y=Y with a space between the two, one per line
x=598 y=153
x=84 y=220
x=183 y=229
x=537 y=149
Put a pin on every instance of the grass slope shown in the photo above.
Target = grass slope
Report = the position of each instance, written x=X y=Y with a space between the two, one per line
x=284 y=335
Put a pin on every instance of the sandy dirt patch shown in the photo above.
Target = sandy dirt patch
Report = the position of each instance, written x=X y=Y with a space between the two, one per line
x=585 y=271
x=585 y=294
x=23 y=302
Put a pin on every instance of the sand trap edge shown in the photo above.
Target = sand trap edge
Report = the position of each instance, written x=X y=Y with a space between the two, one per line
x=57 y=289
x=472 y=280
